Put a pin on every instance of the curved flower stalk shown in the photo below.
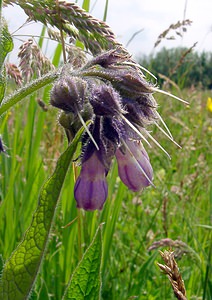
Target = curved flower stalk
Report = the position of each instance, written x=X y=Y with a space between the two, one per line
x=112 y=91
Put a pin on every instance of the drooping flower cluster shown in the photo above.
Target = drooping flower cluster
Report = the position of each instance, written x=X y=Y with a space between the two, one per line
x=111 y=91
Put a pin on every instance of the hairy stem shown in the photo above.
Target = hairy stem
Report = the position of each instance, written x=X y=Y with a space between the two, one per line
x=27 y=90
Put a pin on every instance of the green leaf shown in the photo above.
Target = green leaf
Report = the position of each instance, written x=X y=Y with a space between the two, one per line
x=57 y=55
x=21 y=269
x=6 y=45
x=85 y=282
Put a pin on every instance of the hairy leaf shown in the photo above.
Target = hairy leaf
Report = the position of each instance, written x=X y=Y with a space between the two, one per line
x=21 y=269
x=86 y=279
x=6 y=45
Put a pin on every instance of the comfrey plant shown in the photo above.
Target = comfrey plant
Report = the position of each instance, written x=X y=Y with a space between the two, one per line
x=111 y=91
x=105 y=103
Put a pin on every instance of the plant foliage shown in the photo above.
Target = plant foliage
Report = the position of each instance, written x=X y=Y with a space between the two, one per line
x=49 y=249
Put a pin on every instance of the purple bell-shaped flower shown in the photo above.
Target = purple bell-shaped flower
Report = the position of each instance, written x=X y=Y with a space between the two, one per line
x=134 y=166
x=91 y=187
x=113 y=93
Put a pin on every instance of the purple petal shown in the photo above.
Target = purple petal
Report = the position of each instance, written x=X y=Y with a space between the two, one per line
x=134 y=166
x=91 y=187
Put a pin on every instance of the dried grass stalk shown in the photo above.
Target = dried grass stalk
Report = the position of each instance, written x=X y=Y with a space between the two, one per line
x=14 y=72
x=182 y=58
x=75 y=56
x=54 y=35
x=96 y=35
x=171 y=269
x=180 y=249
x=167 y=242
x=175 y=26
x=32 y=61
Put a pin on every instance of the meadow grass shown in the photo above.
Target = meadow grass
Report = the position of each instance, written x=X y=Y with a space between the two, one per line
x=178 y=208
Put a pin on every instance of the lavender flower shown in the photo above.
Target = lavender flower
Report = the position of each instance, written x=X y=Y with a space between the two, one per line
x=134 y=166
x=91 y=187
x=111 y=91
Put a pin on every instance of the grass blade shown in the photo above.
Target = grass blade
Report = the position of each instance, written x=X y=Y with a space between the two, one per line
x=105 y=11
x=6 y=45
x=86 y=5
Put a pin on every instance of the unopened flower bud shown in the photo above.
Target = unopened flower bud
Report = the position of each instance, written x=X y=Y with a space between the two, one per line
x=68 y=93
x=105 y=101
x=110 y=57
x=141 y=110
x=131 y=82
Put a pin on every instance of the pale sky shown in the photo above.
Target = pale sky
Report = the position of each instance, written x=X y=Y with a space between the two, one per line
x=125 y=17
